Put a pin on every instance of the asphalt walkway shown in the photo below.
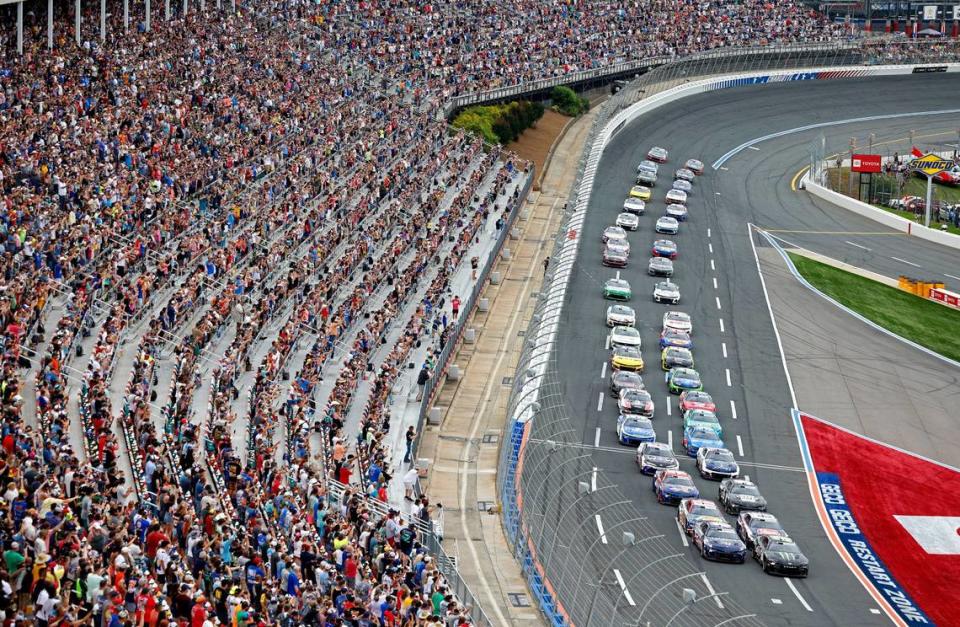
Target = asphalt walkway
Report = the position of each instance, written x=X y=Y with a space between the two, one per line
x=464 y=449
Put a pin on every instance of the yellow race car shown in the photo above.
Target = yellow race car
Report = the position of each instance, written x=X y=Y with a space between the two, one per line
x=641 y=192
x=627 y=358
x=676 y=357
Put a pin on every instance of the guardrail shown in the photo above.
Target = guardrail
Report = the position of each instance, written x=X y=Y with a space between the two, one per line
x=548 y=486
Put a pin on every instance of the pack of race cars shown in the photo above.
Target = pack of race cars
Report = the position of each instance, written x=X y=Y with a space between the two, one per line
x=754 y=531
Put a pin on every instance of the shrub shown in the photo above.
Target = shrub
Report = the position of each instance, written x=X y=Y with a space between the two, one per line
x=567 y=102
x=501 y=123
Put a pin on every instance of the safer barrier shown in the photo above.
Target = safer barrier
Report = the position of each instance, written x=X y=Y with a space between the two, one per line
x=549 y=489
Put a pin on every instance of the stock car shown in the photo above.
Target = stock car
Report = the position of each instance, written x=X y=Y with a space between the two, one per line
x=696 y=399
x=634 y=206
x=740 y=495
x=693 y=511
x=640 y=191
x=701 y=418
x=612 y=233
x=672 y=486
x=717 y=463
x=623 y=380
x=624 y=336
x=666 y=292
x=660 y=266
x=656 y=456
x=628 y=221
x=666 y=224
x=677 y=321
x=634 y=430
x=676 y=197
x=685 y=174
x=636 y=403
x=617 y=289
x=675 y=357
x=680 y=379
x=754 y=525
x=621 y=315
x=677 y=212
x=649 y=166
x=680 y=339
x=695 y=166
x=615 y=257
x=646 y=178
x=696 y=438
x=683 y=185
x=718 y=542
x=779 y=555
x=626 y=358
x=657 y=154
x=664 y=248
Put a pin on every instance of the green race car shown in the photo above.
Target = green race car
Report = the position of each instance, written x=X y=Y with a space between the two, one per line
x=682 y=379
x=617 y=289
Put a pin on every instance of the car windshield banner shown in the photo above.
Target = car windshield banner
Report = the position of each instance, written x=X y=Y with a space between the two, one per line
x=858 y=547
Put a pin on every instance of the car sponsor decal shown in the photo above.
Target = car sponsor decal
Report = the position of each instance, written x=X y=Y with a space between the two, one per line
x=892 y=516
x=857 y=545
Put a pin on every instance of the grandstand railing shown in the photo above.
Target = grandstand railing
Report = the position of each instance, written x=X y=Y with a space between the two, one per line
x=864 y=50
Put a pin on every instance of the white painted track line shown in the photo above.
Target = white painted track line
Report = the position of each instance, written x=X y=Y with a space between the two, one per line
x=909 y=263
x=708 y=232
x=669 y=406
x=854 y=244
x=797 y=594
x=739 y=446
x=623 y=586
x=607 y=346
x=723 y=345
x=729 y=384
x=718 y=302
x=721 y=325
x=603 y=536
x=715 y=283
x=951 y=276
x=753 y=148
x=713 y=266
x=733 y=409
x=683 y=536
x=603 y=370
x=670 y=438
x=710 y=589
x=600 y=402
x=618 y=274
x=593 y=483
x=710 y=248
x=776 y=601
x=596 y=438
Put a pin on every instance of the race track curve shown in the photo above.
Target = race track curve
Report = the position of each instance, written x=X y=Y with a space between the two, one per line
x=735 y=345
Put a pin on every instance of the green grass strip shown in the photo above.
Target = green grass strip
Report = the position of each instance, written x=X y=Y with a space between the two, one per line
x=925 y=322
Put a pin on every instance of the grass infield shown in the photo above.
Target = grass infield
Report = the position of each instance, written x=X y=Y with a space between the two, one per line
x=925 y=322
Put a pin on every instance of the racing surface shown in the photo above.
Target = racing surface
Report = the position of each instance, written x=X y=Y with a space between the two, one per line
x=734 y=342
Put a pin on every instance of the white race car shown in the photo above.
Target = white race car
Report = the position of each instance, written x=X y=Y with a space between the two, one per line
x=666 y=292
x=621 y=315
x=666 y=224
x=683 y=185
x=677 y=321
x=634 y=205
x=676 y=197
x=694 y=165
x=625 y=336
x=628 y=221
x=614 y=233
x=684 y=173
x=678 y=212
x=649 y=166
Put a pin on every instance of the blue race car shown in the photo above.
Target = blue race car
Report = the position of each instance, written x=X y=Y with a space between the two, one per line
x=672 y=486
x=719 y=542
x=717 y=464
x=635 y=430
x=664 y=248
x=680 y=339
x=695 y=438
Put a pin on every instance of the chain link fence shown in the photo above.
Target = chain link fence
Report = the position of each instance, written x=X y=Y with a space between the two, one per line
x=550 y=490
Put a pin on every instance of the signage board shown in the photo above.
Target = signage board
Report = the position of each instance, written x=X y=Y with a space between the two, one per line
x=866 y=163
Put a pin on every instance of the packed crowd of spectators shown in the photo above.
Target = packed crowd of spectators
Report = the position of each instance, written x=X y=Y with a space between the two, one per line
x=268 y=201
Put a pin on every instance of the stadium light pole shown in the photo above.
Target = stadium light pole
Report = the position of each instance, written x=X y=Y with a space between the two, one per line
x=49 y=24
x=103 y=20
x=76 y=20
x=166 y=10
x=126 y=15
x=20 y=28
x=148 y=16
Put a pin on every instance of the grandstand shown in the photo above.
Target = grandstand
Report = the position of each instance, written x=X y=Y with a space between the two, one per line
x=232 y=232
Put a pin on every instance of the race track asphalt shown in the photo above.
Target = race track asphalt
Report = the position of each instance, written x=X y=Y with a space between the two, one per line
x=754 y=188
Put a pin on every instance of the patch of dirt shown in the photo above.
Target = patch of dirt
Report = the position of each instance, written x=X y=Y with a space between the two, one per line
x=534 y=144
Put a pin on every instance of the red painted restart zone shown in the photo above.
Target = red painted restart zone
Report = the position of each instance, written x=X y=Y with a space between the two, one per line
x=907 y=508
